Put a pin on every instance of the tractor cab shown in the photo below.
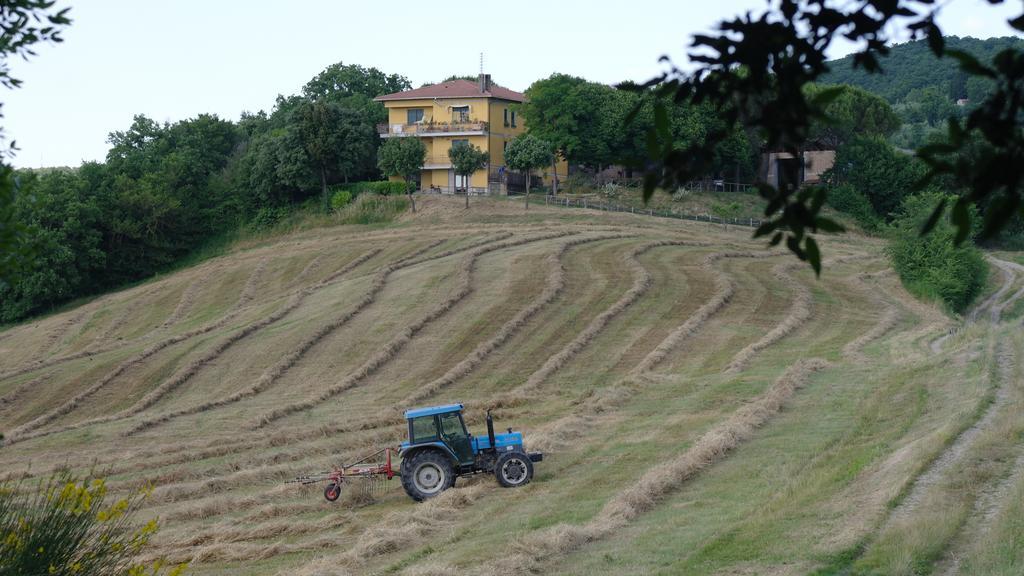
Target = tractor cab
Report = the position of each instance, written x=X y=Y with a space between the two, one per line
x=440 y=448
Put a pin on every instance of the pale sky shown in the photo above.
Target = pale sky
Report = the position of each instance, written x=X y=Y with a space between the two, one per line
x=172 y=60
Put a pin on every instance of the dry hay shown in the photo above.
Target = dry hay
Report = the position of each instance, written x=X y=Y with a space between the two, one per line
x=25 y=431
x=799 y=312
x=398 y=530
x=187 y=300
x=641 y=283
x=661 y=480
x=558 y=433
x=890 y=317
x=553 y=287
x=391 y=349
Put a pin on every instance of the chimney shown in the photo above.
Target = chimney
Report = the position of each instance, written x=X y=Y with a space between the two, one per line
x=485 y=83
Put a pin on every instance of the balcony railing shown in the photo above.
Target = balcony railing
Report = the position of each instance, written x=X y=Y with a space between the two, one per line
x=429 y=128
x=437 y=161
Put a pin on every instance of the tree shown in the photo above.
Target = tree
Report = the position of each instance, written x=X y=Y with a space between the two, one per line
x=852 y=112
x=571 y=114
x=24 y=23
x=527 y=152
x=753 y=71
x=339 y=81
x=403 y=157
x=878 y=171
x=467 y=159
x=336 y=140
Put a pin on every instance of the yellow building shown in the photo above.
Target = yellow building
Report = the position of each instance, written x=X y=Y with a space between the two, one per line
x=460 y=111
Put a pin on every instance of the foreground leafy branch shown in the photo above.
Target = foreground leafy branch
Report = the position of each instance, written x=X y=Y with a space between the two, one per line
x=754 y=70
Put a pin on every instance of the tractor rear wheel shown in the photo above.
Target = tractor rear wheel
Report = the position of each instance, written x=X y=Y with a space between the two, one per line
x=513 y=469
x=427 y=474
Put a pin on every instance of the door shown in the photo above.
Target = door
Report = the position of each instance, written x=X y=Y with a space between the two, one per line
x=453 y=433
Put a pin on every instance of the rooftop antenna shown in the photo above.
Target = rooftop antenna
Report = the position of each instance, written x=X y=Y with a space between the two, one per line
x=481 y=62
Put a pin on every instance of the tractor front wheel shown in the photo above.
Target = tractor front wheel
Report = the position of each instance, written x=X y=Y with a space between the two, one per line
x=427 y=474
x=513 y=469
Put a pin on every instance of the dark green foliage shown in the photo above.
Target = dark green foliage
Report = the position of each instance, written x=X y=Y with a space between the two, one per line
x=68 y=526
x=402 y=157
x=753 y=71
x=851 y=112
x=849 y=200
x=467 y=159
x=595 y=125
x=373 y=209
x=379 y=187
x=166 y=191
x=913 y=66
x=340 y=199
x=24 y=24
x=872 y=167
x=932 y=265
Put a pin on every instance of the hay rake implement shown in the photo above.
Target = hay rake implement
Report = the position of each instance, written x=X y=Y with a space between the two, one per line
x=366 y=474
x=438 y=451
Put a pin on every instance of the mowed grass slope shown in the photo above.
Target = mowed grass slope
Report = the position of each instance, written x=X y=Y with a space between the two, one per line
x=706 y=406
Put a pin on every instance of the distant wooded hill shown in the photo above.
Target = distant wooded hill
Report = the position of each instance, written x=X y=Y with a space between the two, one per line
x=912 y=66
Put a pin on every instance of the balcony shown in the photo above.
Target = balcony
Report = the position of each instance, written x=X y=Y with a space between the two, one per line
x=468 y=128
x=437 y=162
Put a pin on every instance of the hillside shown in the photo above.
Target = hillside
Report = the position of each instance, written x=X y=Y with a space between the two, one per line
x=706 y=406
x=912 y=66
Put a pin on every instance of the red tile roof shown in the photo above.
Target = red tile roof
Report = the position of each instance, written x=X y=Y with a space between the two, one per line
x=454 y=89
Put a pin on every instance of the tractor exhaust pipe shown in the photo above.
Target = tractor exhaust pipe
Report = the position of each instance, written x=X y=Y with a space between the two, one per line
x=490 y=431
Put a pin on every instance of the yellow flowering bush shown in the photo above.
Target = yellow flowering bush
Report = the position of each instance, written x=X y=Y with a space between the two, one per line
x=68 y=526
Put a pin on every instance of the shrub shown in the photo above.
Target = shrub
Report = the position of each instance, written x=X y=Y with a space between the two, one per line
x=340 y=199
x=848 y=200
x=373 y=209
x=66 y=526
x=268 y=217
x=726 y=209
x=931 y=266
x=880 y=172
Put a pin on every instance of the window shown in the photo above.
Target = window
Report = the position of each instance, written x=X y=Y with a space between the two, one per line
x=423 y=429
x=504 y=146
x=506 y=117
x=463 y=142
x=460 y=113
x=513 y=118
x=414 y=115
x=451 y=426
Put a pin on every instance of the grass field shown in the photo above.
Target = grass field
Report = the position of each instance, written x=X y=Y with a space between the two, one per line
x=706 y=406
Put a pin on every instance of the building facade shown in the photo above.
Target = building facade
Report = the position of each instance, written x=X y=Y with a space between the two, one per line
x=458 y=112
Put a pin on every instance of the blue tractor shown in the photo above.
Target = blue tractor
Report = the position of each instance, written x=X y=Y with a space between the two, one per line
x=439 y=450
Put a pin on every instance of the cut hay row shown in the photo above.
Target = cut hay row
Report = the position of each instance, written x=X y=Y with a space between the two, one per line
x=641 y=283
x=997 y=309
x=989 y=304
x=553 y=287
x=188 y=299
x=8 y=401
x=853 y=350
x=55 y=339
x=309 y=269
x=392 y=348
x=192 y=368
x=661 y=480
x=278 y=370
x=21 y=432
x=558 y=433
x=244 y=297
x=800 y=311
x=282 y=366
x=964 y=441
x=725 y=289
x=397 y=531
